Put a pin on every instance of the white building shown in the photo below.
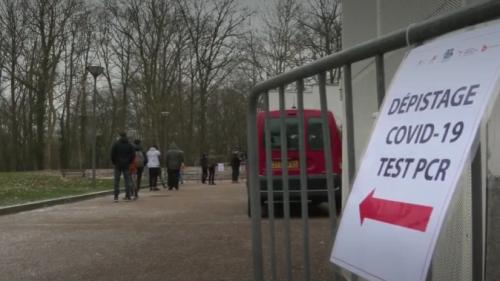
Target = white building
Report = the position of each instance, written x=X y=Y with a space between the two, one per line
x=365 y=20
x=311 y=100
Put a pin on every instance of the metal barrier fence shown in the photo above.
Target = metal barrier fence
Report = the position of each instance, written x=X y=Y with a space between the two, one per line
x=413 y=34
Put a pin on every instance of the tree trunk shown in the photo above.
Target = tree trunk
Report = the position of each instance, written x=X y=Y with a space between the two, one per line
x=40 y=110
x=203 y=121
x=83 y=124
x=13 y=110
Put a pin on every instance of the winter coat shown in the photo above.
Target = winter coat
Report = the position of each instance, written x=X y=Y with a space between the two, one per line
x=235 y=162
x=138 y=148
x=122 y=153
x=175 y=157
x=204 y=161
x=212 y=161
x=153 y=156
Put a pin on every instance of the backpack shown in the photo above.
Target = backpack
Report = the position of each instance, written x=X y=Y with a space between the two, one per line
x=139 y=159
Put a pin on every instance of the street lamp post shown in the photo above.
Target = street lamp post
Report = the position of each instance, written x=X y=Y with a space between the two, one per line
x=95 y=70
x=164 y=115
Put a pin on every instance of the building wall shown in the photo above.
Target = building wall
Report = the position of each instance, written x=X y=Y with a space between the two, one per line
x=311 y=100
x=365 y=20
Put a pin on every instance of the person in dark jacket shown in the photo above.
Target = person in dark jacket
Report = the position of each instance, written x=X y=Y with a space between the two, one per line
x=141 y=161
x=122 y=154
x=174 y=159
x=212 y=164
x=204 y=167
x=235 y=166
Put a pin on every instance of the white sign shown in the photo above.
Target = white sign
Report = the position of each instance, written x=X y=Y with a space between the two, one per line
x=416 y=154
x=220 y=167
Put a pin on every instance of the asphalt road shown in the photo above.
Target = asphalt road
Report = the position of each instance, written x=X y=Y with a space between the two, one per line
x=198 y=233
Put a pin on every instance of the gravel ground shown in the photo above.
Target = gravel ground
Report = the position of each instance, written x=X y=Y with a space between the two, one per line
x=198 y=233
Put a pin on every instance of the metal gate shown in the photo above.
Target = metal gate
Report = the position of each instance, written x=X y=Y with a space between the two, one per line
x=413 y=34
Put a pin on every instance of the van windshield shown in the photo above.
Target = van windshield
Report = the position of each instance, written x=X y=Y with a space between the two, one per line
x=315 y=133
x=292 y=133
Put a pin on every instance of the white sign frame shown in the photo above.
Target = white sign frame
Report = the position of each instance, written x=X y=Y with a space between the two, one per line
x=393 y=216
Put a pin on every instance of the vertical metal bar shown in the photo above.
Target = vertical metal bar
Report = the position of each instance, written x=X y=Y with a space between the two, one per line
x=486 y=203
x=349 y=123
x=286 y=193
x=94 y=133
x=379 y=66
x=303 y=177
x=380 y=74
x=429 y=273
x=254 y=189
x=349 y=126
x=478 y=216
x=332 y=208
x=328 y=152
x=270 y=188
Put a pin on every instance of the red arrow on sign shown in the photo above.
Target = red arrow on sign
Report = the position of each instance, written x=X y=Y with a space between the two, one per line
x=397 y=213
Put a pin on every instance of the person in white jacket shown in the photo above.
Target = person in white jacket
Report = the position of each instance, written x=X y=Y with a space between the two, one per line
x=153 y=156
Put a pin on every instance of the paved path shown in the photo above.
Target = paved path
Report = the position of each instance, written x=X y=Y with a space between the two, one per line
x=191 y=234
x=197 y=233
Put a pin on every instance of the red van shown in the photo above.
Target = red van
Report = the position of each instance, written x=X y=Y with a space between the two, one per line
x=316 y=170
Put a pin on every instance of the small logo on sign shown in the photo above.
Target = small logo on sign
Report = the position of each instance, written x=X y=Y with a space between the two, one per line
x=469 y=51
x=448 y=54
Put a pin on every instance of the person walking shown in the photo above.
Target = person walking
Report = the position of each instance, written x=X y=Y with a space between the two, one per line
x=141 y=161
x=181 y=173
x=212 y=163
x=153 y=156
x=132 y=169
x=122 y=154
x=204 y=167
x=235 y=166
x=174 y=159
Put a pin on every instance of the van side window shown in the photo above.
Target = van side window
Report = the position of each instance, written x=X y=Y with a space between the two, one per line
x=315 y=133
x=292 y=133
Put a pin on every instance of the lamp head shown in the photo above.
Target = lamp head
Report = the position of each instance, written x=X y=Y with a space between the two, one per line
x=95 y=70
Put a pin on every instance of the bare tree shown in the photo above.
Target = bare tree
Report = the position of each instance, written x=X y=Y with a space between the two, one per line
x=253 y=61
x=117 y=53
x=321 y=30
x=150 y=28
x=74 y=56
x=213 y=28
x=13 y=22
x=281 y=50
x=49 y=22
x=186 y=57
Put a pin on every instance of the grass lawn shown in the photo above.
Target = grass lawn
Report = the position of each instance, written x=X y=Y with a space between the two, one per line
x=24 y=187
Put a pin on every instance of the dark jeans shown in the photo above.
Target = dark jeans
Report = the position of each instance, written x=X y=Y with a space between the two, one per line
x=139 y=177
x=128 y=181
x=236 y=173
x=211 y=175
x=173 y=178
x=179 y=175
x=153 y=177
x=204 y=174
